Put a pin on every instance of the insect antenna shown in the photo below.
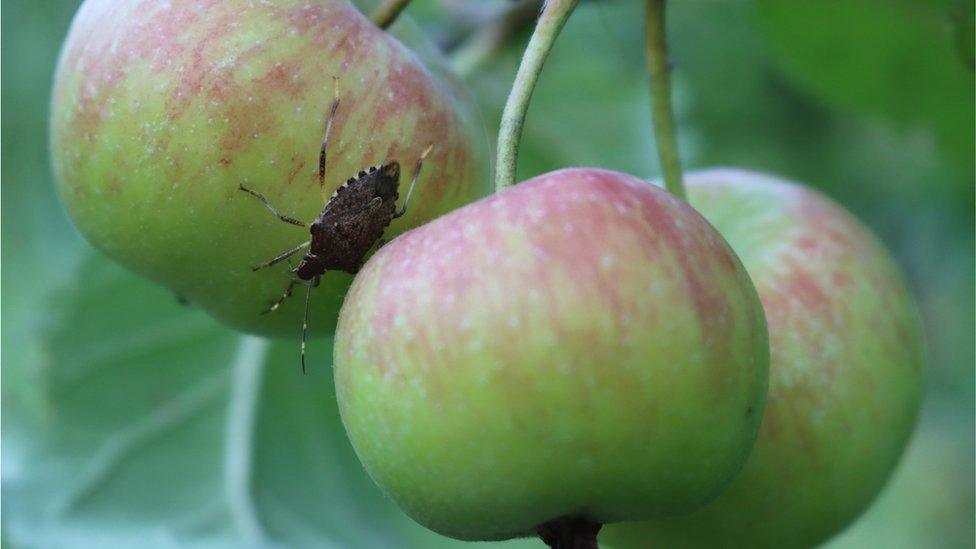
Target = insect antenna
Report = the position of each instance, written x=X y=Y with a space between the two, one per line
x=279 y=215
x=416 y=174
x=308 y=294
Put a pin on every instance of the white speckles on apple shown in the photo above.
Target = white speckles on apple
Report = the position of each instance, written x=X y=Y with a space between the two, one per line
x=589 y=382
x=633 y=183
x=483 y=379
x=417 y=385
x=493 y=255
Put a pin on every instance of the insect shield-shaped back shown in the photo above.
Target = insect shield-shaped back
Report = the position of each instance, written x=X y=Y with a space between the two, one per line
x=355 y=217
x=358 y=193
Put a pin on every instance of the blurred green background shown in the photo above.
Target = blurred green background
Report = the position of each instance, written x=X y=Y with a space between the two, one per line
x=130 y=420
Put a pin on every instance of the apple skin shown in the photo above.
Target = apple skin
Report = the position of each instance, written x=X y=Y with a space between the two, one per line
x=845 y=369
x=161 y=109
x=582 y=343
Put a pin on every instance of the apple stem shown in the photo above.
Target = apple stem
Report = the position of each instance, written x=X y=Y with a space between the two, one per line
x=662 y=113
x=570 y=533
x=551 y=20
x=386 y=13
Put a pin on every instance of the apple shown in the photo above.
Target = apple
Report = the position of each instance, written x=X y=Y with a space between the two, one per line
x=580 y=348
x=161 y=110
x=845 y=369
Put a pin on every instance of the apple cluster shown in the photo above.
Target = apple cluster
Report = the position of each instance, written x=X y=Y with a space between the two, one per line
x=741 y=369
x=585 y=344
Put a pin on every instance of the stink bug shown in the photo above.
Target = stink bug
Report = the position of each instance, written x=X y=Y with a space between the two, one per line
x=349 y=225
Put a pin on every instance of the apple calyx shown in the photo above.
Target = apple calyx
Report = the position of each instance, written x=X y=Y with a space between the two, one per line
x=570 y=533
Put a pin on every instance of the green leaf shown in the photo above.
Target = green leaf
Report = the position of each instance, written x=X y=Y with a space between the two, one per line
x=158 y=428
x=963 y=14
x=922 y=506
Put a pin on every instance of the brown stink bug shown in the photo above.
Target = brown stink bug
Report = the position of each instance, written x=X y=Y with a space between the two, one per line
x=350 y=224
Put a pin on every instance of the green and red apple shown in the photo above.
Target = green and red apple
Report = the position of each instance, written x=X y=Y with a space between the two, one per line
x=845 y=370
x=162 y=109
x=582 y=345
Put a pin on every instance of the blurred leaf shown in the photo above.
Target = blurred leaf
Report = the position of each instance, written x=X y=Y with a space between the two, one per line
x=160 y=428
x=38 y=245
x=894 y=58
x=922 y=506
x=964 y=23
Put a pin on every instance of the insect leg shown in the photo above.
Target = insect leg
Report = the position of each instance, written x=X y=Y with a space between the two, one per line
x=416 y=173
x=308 y=294
x=281 y=257
x=284 y=296
x=323 y=150
x=278 y=214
